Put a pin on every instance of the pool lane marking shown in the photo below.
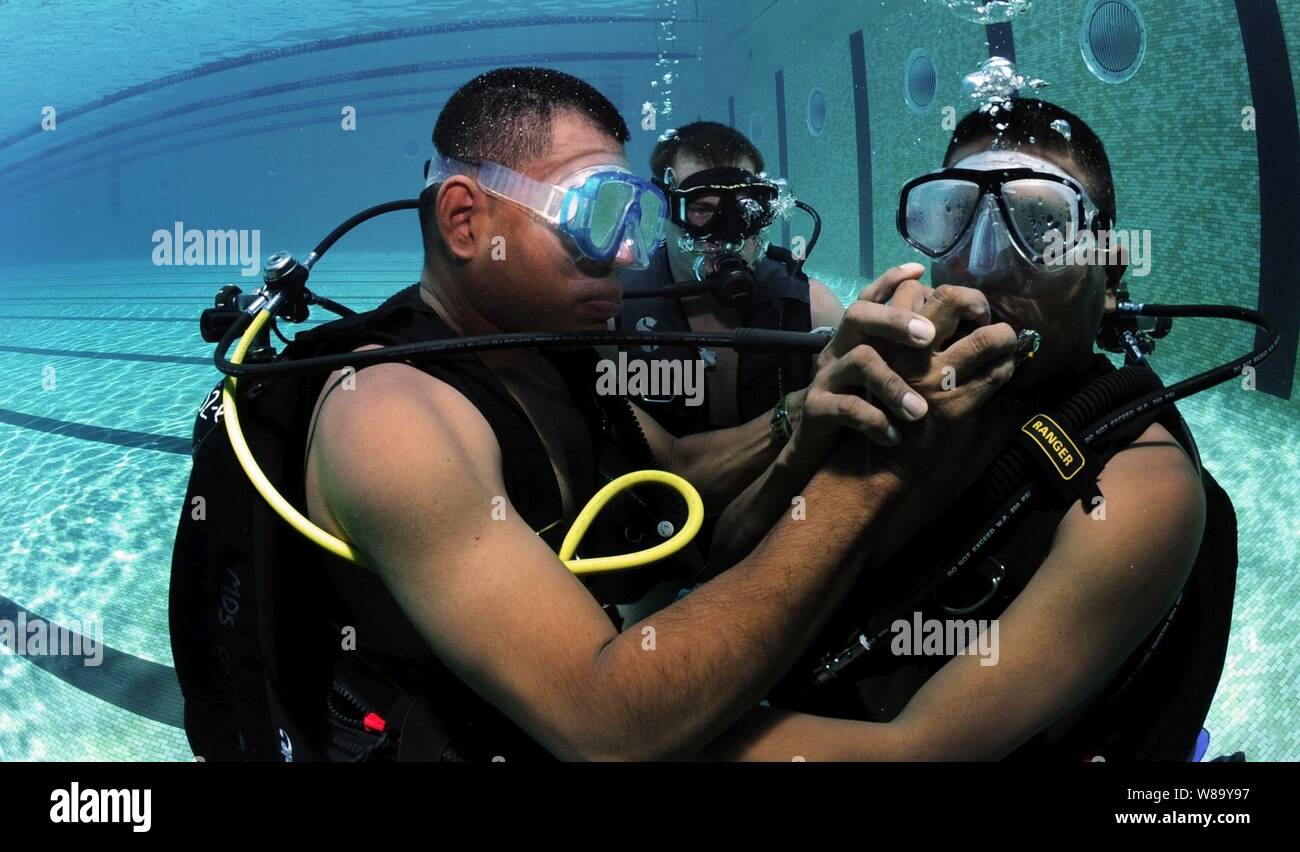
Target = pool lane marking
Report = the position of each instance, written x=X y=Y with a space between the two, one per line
x=107 y=356
x=97 y=434
x=136 y=685
x=56 y=317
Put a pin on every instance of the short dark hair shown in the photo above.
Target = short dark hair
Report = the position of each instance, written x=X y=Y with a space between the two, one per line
x=505 y=116
x=713 y=144
x=1028 y=122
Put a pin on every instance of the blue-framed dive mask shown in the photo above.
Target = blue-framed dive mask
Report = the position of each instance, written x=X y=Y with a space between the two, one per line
x=608 y=214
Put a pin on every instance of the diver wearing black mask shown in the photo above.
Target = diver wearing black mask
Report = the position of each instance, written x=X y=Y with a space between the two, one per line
x=717 y=271
x=718 y=211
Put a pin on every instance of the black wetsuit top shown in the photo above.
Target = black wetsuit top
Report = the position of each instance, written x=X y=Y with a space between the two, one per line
x=782 y=303
x=387 y=640
x=1151 y=709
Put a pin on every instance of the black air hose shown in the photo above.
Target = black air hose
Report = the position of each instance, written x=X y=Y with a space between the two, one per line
x=1107 y=393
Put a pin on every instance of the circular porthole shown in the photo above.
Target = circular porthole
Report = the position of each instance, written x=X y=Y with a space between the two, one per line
x=816 y=112
x=755 y=127
x=920 y=80
x=1113 y=39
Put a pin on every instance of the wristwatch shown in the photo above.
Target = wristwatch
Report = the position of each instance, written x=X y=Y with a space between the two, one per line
x=780 y=425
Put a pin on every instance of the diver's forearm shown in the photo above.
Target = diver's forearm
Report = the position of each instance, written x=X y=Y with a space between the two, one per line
x=775 y=735
x=680 y=677
x=748 y=518
x=721 y=463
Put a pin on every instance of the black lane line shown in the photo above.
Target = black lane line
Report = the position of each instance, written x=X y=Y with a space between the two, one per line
x=107 y=356
x=98 y=319
x=328 y=44
x=1277 y=139
x=1002 y=41
x=138 y=686
x=783 y=151
x=862 y=117
x=97 y=434
x=191 y=320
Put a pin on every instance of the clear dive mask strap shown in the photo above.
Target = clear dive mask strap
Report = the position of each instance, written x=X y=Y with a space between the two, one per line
x=544 y=199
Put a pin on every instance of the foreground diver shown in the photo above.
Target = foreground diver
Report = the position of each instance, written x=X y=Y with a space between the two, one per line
x=1108 y=612
x=719 y=205
x=465 y=636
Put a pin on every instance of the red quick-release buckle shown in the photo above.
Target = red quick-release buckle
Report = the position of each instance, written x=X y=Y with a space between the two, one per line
x=374 y=722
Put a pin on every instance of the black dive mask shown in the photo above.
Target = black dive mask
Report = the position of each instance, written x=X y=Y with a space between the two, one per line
x=722 y=207
x=725 y=205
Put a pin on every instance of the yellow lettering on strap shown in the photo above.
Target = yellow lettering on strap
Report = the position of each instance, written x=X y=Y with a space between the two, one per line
x=1059 y=446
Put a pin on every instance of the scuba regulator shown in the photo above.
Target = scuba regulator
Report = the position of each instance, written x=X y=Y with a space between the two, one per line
x=719 y=211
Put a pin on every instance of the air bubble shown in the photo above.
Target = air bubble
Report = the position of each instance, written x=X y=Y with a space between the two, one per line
x=988 y=11
x=994 y=84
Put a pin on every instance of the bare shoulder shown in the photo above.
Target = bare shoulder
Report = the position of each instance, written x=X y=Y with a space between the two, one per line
x=826 y=308
x=1155 y=471
x=1138 y=546
x=398 y=403
x=384 y=437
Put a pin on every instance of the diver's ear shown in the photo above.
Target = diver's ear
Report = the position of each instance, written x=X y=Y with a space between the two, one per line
x=459 y=210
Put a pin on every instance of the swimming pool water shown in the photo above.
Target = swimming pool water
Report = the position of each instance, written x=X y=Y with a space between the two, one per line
x=102 y=367
x=96 y=467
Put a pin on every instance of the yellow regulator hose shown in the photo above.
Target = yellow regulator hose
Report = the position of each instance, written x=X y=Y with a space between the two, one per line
x=339 y=547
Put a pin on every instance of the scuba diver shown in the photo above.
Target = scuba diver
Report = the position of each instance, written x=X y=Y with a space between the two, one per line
x=716 y=271
x=1108 y=600
x=443 y=623
x=720 y=203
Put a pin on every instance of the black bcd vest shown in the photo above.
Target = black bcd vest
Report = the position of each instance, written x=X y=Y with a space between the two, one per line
x=1153 y=707
x=782 y=302
x=258 y=612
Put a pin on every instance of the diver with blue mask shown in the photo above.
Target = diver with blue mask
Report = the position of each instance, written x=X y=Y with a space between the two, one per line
x=604 y=213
